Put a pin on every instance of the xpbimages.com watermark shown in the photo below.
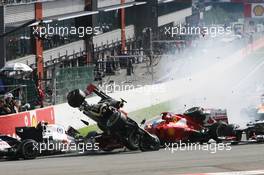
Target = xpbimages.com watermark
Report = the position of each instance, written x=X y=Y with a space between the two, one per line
x=144 y=89
x=65 y=147
x=212 y=31
x=48 y=30
x=211 y=148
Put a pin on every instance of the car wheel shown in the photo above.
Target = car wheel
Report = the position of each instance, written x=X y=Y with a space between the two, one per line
x=132 y=142
x=214 y=131
x=75 y=98
x=195 y=112
x=152 y=145
x=29 y=149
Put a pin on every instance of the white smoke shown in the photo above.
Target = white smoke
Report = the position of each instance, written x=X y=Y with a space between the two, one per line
x=218 y=75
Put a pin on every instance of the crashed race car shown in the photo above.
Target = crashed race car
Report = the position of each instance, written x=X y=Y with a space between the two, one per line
x=255 y=131
x=35 y=141
x=118 y=129
x=194 y=125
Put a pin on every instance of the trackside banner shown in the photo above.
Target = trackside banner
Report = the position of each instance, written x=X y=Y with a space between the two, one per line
x=8 y=123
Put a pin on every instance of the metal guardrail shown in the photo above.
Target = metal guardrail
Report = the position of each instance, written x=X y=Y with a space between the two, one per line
x=19 y=2
x=9 y=2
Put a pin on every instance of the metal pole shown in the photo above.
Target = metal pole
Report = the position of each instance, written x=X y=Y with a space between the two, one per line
x=151 y=54
x=123 y=26
x=54 y=93
x=2 y=39
x=26 y=94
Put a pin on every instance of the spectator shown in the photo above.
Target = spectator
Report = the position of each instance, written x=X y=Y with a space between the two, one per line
x=11 y=103
x=141 y=53
x=41 y=96
x=4 y=110
x=130 y=70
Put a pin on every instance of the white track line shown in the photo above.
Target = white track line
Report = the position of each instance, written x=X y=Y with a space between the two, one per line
x=256 y=172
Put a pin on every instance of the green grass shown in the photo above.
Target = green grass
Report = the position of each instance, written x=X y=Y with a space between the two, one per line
x=145 y=113
x=150 y=112
x=84 y=131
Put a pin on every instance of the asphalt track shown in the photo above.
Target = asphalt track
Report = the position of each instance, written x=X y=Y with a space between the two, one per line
x=163 y=162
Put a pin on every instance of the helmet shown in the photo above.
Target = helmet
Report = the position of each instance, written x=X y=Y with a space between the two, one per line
x=8 y=95
x=75 y=98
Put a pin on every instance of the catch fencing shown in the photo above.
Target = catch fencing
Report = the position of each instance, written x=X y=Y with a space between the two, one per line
x=68 y=79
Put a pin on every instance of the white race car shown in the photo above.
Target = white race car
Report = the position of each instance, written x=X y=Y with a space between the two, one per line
x=35 y=141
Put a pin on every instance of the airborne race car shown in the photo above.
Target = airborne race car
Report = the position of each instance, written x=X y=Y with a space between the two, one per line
x=195 y=125
x=118 y=129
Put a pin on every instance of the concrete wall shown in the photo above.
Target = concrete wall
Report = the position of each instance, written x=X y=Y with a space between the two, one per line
x=60 y=7
x=176 y=17
x=113 y=36
x=105 y=3
x=25 y=12
x=18 y=13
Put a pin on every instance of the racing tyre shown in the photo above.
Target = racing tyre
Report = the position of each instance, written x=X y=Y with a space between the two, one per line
x=152 y=145
x=28 y=149
x=195 y=112
x=221 y=129
x=133 y=140
x=239 y=135
x=155 y=146
x=224 y=130
x=214 y=131
x=75 y=98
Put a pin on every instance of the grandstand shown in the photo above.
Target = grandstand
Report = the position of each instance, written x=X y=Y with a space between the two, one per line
x=56 y=58
x=120 y=37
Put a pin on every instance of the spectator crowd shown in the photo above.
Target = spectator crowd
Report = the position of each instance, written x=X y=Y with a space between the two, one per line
x=9 y=105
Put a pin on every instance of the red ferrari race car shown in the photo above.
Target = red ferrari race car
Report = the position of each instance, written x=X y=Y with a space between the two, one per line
x=194 y=125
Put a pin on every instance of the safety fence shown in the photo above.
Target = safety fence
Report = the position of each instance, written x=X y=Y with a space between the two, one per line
x=24 y=90
x=67 y=79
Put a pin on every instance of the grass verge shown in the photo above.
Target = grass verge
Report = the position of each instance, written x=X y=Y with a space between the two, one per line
x=145 y=113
